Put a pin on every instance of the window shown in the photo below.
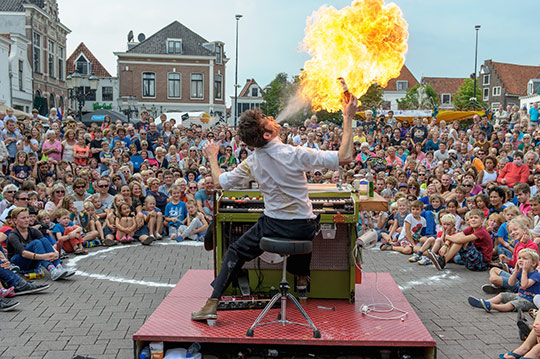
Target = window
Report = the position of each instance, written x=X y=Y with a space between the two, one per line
x=486 y=94
x=496 y=91
x=82 y=66
x=495 y=105
x=219 y=55
x=254 y=91
x=52 y=101
x=51 y=58
x=174 y=46
x=218 y=87
x=106 y=93
x=446 y=98
x=197 y=86
x=486 y=79
x=37 y=52
x=91 y=94
x=402 y=85
x=149 y=84
x=60 y=63
x=21 y=75
x=174 y=80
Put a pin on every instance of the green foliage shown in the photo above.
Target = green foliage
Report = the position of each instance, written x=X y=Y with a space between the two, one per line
x=372 y=98
x=411 y=100
x=275 y=98
x=461 y=99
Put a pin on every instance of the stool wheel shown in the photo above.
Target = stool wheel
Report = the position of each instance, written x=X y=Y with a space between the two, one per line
x=317 y=334
x=250 y=333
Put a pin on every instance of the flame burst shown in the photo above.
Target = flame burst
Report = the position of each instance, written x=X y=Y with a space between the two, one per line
x=364 y=43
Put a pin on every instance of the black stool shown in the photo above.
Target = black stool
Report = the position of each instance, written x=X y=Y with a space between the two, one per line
x=284 y=247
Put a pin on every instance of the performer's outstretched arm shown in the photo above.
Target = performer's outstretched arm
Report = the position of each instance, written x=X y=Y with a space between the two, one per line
x=210 y=151
x=345 y=153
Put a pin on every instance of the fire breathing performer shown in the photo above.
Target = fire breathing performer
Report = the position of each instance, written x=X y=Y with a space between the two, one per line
x=279 y=169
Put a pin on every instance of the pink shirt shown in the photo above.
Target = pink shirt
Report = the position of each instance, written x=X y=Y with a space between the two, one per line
x=57 y=156
x=519 y=246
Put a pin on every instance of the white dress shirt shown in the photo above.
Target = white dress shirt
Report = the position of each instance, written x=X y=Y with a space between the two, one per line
x=279 y=169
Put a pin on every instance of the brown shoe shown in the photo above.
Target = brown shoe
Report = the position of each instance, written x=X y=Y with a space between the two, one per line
x=208 y=311
x=302 y=282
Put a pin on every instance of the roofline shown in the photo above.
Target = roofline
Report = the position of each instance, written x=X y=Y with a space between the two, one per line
x=20 y=36
x=40 y=10
x=163 y=56
x=7 y=40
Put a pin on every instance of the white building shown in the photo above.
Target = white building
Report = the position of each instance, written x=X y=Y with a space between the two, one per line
x=250 y=97
x=396 y=89
x=21 y=74
x=5 y=83
x=532 y=94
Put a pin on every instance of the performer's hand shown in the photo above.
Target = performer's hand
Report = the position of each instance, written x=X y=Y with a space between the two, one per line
x=351 y=107
x=210 y=149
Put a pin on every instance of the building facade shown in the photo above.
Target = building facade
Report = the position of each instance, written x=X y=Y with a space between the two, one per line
x=174 y=70
x=396 y=88
x=503 y=83
x=38 y=21
x=5 y=82
x=250 y=97
x=446 y=88
x=83 y=64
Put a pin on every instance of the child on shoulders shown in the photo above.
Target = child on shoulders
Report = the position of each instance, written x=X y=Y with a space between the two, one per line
x=526 y=276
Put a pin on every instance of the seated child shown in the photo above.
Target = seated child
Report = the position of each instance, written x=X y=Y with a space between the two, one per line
x=45 y=226
x=398 y=221
x=175 y=212
x=409 y=237
x=498 y=278
x=68 y=234
x=153 y=217
x=386 y=220
x=528 y=278
x=523 y=192
x=448 y=222
x=482 y=203
x=195 y=224
x=492 y=224
x=505 y=245
x=126 y=226
x=90 y=221
x=474 y=245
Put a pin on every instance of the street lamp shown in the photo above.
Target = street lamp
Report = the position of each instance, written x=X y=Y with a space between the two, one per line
x=237 y=17
x=78 y=93
x=477 y=27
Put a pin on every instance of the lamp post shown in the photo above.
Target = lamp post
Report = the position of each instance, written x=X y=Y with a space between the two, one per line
x=237 y=17
x=477 y=27
x=78 y=92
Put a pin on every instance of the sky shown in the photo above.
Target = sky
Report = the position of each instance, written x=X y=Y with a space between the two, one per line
x=441 y=32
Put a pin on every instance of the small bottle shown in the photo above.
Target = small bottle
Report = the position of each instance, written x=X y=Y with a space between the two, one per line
x=145 y=353
x=34 y=275
x=363 y=188
x=346 y=94
x=193 y=351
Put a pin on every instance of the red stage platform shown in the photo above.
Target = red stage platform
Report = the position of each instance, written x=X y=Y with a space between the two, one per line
x=344 y=327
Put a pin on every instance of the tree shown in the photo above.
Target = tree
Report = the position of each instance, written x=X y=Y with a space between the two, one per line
x=275 y=98
x=372 y=98
x=462 y=98
x=412 y=100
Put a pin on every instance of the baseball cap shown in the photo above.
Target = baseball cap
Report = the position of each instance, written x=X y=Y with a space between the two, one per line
x=317 y=171
x=402 y=185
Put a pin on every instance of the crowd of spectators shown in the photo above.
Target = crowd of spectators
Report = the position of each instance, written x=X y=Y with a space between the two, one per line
x=451 y=188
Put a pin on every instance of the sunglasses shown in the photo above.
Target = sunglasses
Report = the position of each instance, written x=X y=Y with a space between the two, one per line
x=104 y=185
x=10 y=191
x=467 y=185
x=23 y=199
x=192 y=187
x=60 y=191
x=79 y=186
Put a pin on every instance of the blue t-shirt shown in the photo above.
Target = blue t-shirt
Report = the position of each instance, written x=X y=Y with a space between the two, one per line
x=58 y=228
x=207 y=202
x=503 y=231
x=534 y=114
x=534 y=289
x=178 y=211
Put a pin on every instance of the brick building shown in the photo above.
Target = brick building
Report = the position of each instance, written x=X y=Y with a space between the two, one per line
x=446 y=88
x=38 y=22
x=84 y=64
x=502 y=83
x=174 y=70
x=397 y=88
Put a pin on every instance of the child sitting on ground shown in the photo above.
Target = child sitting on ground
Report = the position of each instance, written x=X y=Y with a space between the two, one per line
x=505 y=245
x=398 y=221
x=68 y=234
x=474 y=245
x=126 y=226
x=520 y=234
x=195 y=224
x=482 y=203
x=448 y=222
x=45 y=226
x=175 y=212
x=90 y=221
x=528 y=278
x=153 y=217
x=409 y=237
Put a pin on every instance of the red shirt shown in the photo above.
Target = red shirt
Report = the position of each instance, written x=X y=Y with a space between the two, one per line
x=483 y=241
x=519 y=246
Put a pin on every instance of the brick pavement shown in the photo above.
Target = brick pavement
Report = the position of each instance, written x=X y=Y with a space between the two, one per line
x=97 y=311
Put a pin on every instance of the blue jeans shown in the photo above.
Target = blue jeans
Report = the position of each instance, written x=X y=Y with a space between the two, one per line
x=38 y=246
x=505 y=275
x=7 y=276
x=503 y=250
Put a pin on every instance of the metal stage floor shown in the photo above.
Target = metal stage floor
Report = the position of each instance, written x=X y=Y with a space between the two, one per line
x=344 y=329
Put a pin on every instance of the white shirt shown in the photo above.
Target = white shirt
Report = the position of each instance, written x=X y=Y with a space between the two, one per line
x=280 y=170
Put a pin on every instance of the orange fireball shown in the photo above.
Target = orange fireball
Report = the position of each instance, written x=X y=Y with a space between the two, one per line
x=364 y=43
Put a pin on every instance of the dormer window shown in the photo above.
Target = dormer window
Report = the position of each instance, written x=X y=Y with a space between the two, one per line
x=254 y=92
x=402 y=85
x=82 y=65
x=174 y=46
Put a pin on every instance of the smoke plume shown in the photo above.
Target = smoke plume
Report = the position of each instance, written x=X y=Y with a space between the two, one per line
x=296 y=104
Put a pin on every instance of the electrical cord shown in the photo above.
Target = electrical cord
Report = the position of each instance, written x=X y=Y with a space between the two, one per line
x=387 y=307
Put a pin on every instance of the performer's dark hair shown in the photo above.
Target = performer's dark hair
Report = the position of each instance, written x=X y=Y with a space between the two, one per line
x=251 y=128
